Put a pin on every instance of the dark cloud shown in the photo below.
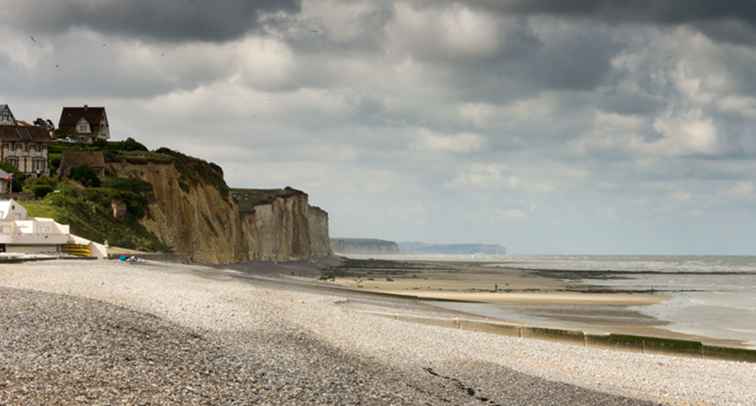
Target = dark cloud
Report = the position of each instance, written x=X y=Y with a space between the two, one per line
x=168 y=20
x=669 y=11
x=729 y=21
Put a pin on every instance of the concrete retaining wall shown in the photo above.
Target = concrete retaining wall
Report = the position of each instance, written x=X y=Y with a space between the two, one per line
x=622 y=342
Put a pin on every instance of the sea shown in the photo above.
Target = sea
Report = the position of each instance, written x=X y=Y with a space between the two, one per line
x=710 y=296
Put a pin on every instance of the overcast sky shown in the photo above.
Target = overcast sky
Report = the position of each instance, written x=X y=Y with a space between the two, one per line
x=593 y=126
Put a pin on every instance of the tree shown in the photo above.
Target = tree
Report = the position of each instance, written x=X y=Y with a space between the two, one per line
x=133 y=145
x=86 y=176
x=18 y=177
x=40 y=191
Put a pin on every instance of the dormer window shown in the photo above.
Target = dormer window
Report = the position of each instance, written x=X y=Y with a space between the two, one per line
x=6 y=117
x=82 y=127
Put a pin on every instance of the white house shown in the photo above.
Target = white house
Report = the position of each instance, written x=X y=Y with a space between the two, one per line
x=23 y=235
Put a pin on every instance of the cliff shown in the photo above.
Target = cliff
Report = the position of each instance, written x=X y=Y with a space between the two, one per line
x=196 y=221
x=193 y=211
x=281 y=224
x=363 y=246
x=451 y=249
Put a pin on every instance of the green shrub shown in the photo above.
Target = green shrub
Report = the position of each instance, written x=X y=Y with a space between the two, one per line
x=18 y=177
x=40 y=191
x=40 y=186
x=127 y=184
x=54 y=162
x=132 y=145
x=195 y=171
x=89 y=214
x=8 y=167
x=86 y=176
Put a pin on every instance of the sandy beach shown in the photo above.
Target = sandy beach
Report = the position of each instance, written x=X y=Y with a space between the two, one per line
x=230 y=338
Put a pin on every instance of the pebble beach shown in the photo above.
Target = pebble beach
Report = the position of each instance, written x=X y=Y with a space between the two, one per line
x=101 y=332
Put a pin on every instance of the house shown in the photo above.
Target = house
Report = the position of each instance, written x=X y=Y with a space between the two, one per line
x=20 y=234
x=23 y=145
x=84 y=124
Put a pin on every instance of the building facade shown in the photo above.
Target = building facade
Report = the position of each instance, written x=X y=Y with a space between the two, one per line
x=21 y=234
x=23 y=145
x=84 y=124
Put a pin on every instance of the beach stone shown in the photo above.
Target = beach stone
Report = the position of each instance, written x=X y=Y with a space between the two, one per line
x=173 y=334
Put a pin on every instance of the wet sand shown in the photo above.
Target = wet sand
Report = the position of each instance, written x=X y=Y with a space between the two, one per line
x=512 y=295
x=475 y=282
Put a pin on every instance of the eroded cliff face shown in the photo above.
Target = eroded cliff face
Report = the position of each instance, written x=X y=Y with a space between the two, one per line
x=196 y=220
x=320 y=240
x=281 y=225
x=207 y=223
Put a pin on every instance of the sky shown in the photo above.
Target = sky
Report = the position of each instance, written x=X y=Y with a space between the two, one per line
x=581 y=127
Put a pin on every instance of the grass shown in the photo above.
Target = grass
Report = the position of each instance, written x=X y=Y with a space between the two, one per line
x=89 y=214
x=38 y=208
x=88 y=210
x=196 y=171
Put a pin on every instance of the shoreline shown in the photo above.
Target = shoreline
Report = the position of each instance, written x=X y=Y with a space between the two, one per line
x=517 y=295
x=540 y=297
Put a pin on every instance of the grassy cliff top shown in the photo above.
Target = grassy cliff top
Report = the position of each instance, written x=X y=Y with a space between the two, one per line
x=193 y=170
x=249 y=198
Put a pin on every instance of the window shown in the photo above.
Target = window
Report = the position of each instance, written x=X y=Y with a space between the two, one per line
x=82 y=127
x=38 y=165
x=13 y=162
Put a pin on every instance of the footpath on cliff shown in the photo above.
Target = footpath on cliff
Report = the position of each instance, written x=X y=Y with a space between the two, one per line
x=83 y=332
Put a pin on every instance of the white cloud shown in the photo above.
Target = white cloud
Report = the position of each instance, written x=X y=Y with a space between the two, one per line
x=680 y=196
x=484 y=175
x=511 y=214
x=740 y=105
x=689 y=134
x=741 y=190
x=676 y=135
x=455 y=143
x=453 y=31
x=488 y=115
x=265 y=63
x=611 y=132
